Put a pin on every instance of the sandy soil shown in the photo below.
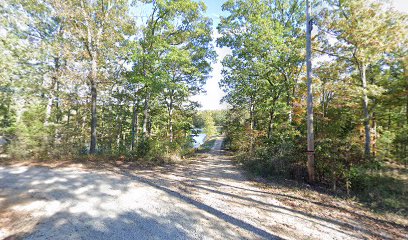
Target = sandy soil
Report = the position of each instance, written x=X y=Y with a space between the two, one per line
x=209 y=198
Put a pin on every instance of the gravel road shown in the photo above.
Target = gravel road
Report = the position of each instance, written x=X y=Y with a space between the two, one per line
x=206 y=199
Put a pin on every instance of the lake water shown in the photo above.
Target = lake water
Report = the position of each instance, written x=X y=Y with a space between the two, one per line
x=198 y=139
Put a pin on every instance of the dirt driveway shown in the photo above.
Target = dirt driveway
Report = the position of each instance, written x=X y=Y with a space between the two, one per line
x=207 y=199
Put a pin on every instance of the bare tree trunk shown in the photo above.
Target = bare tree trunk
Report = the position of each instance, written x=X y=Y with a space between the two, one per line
x=405 y=75
x=122 y=134
x=375 y=135
x=47 y=141
x=146 y=115
x=92 y=148
x=407 y=106
x=270 y=127
x=367 y=144
x=48 y=110
x=170 y=108
x=290 y=105
x=406 y=89
x=92 y=45
x=135 y=124
x=291 y=102
x=120 y=126
x=310 y=132
x=136 y=139
x=251 y=124
x=251 y=115
x=171 y=125
x=51 y=97
x=83 y=129
x=149 y=126
x=68 y=116
x=57 y=102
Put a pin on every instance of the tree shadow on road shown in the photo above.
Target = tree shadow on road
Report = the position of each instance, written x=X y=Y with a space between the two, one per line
x=230 y=219
x=211 y=176
x=73 y=205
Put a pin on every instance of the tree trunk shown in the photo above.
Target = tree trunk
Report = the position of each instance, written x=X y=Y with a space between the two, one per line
x=54 y=89
x=406 y=89
x=251 y=124
x=310 y=132
x=292 y=102
x=323 y=99
x=149 y=126
x=289 y=103
x=120 y=124
x=83 y=129
x=374 y=122
x=170 y=107
x=68 y=116
x=171 y=125
x=57 y=102
x=367 y=145
x=146 y=115
x=48 y=110
x=135 y=124
x=122 y=134
x=92 y=148
x=251 y=115
x=270 y=127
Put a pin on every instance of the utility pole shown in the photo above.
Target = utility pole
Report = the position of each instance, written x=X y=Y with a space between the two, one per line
x=310 y=132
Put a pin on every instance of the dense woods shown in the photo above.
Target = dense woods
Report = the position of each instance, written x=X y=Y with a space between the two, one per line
x=86 y=77
x=359 y=56
x=95 y=77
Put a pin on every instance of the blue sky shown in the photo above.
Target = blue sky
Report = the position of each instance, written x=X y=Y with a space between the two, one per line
x=214 y=10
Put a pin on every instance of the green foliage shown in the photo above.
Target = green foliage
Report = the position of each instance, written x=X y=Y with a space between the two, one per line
x=401 y=145
x=209 y=125
x=354 y=60
x=31 y=139
x=219 y=117
x=280 y=158
x=57 y=55
x=336 y=158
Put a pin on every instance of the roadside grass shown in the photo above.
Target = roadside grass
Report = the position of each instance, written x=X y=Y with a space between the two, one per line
x=97 y=161
x=125 y=160
x=384 y=190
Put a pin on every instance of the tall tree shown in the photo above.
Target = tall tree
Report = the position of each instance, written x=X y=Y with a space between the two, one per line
x=310 y=132
x=359 y=27
x=174 y=57
x=98 y=26
x=267 y=57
